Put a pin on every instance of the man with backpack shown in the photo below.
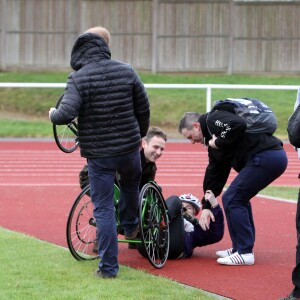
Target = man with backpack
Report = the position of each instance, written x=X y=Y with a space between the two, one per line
x=258 y=157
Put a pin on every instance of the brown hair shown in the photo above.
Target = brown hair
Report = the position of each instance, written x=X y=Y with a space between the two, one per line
x=101 y=31
x=155 y=131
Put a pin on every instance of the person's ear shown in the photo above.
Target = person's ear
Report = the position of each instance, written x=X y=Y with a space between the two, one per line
x=144 y=143
x=196 y=125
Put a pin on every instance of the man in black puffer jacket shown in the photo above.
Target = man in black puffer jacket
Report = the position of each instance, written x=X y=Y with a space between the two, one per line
x=112 y=108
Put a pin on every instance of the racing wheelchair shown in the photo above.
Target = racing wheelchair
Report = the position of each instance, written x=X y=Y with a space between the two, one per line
x=154 y=240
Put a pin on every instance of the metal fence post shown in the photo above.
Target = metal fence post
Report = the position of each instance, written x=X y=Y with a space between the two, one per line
x=208 y=98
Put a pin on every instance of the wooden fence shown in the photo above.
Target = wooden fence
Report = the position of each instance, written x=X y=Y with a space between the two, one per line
x=227 y=36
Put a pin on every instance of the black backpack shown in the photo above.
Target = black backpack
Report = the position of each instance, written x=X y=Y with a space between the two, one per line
x=259 y=117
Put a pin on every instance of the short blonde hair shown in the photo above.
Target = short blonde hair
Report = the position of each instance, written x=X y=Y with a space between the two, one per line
x=101 y=31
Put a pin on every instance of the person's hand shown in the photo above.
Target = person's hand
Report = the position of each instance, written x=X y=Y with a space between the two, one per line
x=51 y=110
x=188 y=226
x=209 y=196
x=212 y=143
x=205 y=218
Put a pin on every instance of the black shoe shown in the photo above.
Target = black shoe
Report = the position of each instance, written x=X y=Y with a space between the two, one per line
x=98 y=273
x=132 y=245
x=133 y=235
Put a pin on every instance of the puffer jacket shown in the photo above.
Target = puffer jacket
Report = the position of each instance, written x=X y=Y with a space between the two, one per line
x=107 y=96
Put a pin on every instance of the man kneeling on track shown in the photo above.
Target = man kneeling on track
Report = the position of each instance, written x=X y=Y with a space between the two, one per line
x=188 y=232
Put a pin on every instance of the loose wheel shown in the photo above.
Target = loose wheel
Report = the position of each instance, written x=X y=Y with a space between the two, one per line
x=154 y=225
x=66 y=136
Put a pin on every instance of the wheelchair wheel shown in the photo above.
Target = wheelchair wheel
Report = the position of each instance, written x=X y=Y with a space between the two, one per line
x=154 y=225
x=81 y=225
x=66 y=136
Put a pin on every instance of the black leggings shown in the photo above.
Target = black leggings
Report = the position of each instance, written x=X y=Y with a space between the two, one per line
x=176 y=228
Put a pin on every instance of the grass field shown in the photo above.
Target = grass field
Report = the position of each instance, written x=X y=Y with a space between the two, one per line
x=32 y=269
x=24 y=111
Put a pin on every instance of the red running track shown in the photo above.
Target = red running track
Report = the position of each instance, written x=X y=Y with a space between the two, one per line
x=38 y=184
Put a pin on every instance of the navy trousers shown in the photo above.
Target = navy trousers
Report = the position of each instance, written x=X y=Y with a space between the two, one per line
x=260 y=170
x=102 y=172
x=296 y=271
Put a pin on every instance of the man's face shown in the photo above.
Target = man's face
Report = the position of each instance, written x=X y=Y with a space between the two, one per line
x=154 y=149
x=188 y=208
x=194 y=135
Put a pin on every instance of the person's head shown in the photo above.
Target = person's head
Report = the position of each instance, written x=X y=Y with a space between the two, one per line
x=191 y=204
x=101 y=31
x=189 y=127
x=154 y=144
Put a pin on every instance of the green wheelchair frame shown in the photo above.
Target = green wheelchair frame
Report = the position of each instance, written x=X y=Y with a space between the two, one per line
x=153 y=223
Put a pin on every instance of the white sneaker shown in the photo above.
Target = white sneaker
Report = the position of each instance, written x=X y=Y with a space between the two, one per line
x=237 y=259
x=224 y=253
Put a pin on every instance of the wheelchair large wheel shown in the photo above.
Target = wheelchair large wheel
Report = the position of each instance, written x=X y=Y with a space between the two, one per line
x=66 y=136
x=81 y=227
x=154 y=225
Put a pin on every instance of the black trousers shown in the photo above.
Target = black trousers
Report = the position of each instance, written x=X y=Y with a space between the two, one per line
x=296 y=271
x=176 y=228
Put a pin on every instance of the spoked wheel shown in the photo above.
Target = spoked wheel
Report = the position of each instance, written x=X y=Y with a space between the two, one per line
x=81 y=227
x=154 y=225
x=66 y=136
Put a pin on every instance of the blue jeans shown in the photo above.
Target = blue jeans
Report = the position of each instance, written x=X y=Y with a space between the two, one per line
x=102 y=173
x=260 y=170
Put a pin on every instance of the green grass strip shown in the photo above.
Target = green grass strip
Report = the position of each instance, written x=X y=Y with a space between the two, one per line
x=34 y=269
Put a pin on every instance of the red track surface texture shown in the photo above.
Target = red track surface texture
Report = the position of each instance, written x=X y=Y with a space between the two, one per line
x=38 y=184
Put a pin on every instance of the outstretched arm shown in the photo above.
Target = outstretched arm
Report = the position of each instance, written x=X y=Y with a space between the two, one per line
x=207 y=216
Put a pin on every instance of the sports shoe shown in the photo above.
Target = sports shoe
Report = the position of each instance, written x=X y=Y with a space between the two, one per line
x=237 y=259
x=133 y=234
x=289 y=297
x=224 y=253
x=98 y=273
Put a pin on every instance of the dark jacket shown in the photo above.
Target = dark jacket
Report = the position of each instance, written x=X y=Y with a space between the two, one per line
x=108 y=98
x=235 y=146
x=148 y=170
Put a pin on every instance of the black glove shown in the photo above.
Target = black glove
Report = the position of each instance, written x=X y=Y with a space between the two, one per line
x=189 y=218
